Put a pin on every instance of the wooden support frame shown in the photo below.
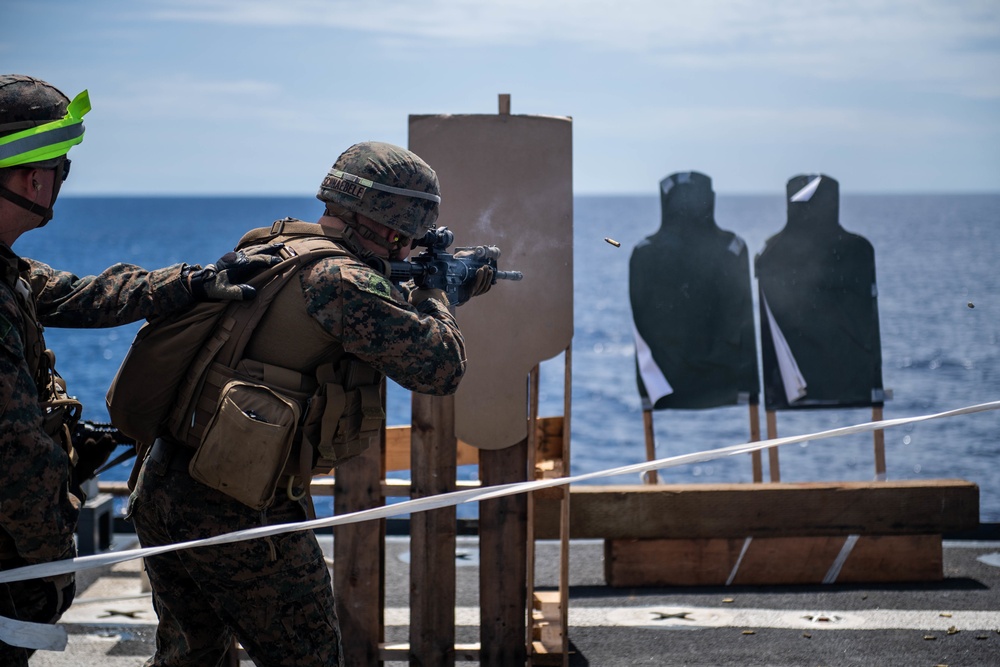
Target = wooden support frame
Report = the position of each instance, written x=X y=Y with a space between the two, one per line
x=769 y=561
x=878 y=438
x=767 y=534
x=519 y=624
x=359 y=556
x=652 y=477
x=755 y=457
x=548 y=637
x=432 y=534
x=703 y=511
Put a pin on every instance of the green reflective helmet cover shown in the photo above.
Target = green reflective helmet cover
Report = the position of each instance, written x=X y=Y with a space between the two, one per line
x=386 y=183
x=38 y=124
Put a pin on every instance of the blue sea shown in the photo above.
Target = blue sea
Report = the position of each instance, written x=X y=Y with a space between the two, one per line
x=939 y=309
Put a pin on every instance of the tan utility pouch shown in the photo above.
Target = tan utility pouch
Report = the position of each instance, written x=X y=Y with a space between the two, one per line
x=247 y=442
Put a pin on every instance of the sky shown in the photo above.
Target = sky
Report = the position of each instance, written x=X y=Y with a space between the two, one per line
x=260 y=96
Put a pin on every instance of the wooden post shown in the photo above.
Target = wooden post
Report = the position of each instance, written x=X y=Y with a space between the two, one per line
x=503 y=534
x=772 y=452
x=359 y=556
x=432 y=533
x=650 y=477
x=564 y=517
x=879 y=437
x=758 y=466
x=533 y=382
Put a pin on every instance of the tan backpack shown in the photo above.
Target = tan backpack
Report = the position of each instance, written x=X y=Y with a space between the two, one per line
x=170 y=354
x=175 y=363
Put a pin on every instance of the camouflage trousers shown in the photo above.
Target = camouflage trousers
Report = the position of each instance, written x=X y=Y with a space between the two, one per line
x=275 y=594
x=32 y=600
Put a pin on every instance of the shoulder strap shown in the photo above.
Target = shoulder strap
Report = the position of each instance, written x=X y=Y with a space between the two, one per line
x=300 y=251
x=231 y=335
x=288 y=228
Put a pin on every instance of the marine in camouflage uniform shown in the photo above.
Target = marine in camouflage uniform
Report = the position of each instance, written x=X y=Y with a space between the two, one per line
x=275 y=594
x=38 y=514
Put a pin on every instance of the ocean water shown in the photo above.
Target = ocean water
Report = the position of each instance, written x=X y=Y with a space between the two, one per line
x=939 y=309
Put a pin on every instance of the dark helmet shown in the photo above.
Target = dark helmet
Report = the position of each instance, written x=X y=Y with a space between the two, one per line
x=25 y=103
x=386 y=183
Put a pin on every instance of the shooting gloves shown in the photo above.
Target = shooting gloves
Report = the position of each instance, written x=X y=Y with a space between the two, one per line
x=481 y=282
x=226 y=279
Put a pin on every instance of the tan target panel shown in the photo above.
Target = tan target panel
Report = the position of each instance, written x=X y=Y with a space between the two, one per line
x=506 y=180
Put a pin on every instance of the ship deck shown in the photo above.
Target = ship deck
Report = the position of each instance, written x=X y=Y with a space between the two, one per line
x=955 y=621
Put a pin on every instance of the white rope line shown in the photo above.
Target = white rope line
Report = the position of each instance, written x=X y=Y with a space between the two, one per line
x=425 y=504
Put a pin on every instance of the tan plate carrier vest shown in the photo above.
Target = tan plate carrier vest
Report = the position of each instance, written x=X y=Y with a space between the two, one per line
x=270 y=396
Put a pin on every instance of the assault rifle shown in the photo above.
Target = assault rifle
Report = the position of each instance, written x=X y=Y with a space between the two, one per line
x=436 y=268
x=94 y=442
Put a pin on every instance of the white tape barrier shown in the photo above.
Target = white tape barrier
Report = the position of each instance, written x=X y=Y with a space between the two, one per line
x=17 y=632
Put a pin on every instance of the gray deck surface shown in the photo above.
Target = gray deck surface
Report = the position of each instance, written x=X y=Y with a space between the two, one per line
x=953 y=622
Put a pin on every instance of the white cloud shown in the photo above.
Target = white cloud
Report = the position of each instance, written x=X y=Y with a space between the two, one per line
x=953 y=47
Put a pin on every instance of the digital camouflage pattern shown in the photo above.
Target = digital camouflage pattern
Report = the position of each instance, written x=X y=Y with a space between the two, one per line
x=388 y=165
x=338 y=306
x=38 y=515
x=420 y=348
x=274 y=593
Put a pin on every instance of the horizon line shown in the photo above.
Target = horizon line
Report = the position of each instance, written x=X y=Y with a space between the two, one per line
x=655 y=193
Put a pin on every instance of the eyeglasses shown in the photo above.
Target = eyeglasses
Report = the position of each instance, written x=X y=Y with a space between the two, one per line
x=62 y=169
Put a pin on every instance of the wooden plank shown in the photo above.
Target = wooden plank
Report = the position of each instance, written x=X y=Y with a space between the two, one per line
x=773 y=561
x=564 y=508
x=762 y=510
x=503 y=528
x=549 y=438
x=879 y=444
x=544 y=655
x=651 y=477
x=772 y=452
x=547 y=620
x=529 y=573
x=398 y=448
x=548 y=430
x=359 y=559
x=755 y=459
x=400 y=652
x=909 y=557
x=433 y=533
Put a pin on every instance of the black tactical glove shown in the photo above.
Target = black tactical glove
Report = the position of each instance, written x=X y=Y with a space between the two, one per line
x=225 y=280
x=479 y=283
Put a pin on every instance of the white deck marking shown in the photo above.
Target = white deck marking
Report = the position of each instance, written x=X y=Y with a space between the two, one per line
x=124 y=613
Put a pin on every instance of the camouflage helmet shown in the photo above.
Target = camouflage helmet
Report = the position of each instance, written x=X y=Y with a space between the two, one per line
x=386 y=183
x=27 y=104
